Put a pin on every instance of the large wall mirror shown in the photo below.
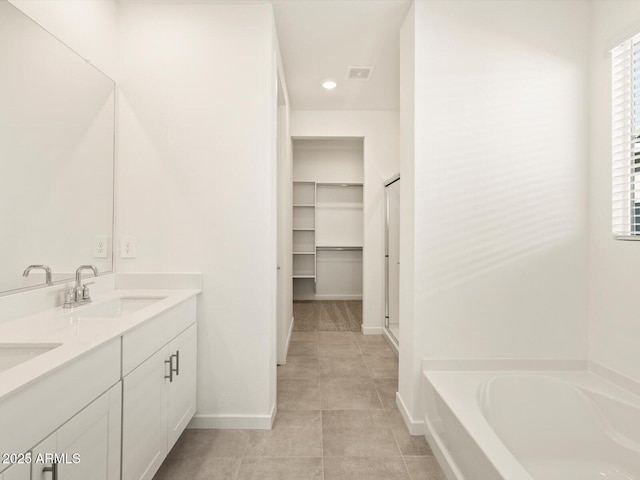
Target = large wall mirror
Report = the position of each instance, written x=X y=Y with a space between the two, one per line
x=56 y=156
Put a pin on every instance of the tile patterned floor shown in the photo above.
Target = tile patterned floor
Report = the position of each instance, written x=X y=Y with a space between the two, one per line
x=337 y=420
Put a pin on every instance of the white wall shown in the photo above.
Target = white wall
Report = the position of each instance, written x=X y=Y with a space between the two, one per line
x=408 y=359
x=614 y=334
x=197 y=184
x=380 y=130
x=328 y=160
x=90 y=27
x=500 y=224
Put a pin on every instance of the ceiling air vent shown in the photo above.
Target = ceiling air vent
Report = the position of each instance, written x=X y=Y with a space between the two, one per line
x=359 y=73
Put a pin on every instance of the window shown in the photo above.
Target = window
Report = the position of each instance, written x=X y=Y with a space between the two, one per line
x=625 y=63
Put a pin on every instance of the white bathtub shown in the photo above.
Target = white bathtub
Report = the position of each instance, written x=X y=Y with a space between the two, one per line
x=544 y=425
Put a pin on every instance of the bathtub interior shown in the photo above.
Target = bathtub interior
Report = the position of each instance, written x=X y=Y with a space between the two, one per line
x=557 y=430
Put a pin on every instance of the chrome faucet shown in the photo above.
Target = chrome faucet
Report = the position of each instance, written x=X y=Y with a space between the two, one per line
x=79 y=295
x=47 y=272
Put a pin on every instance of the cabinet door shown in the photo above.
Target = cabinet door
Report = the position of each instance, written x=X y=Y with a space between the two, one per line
x=144 y=418
x=85 y=447
x=90 y=441
x=20 y=471
x=40 y=453
x=182 y=390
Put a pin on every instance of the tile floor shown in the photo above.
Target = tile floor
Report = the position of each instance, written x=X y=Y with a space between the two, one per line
x=337 y=420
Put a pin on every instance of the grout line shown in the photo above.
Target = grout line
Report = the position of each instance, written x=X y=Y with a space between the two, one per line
x=404 y=462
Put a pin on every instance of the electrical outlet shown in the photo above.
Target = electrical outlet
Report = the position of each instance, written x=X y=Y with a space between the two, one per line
x=101 y=247
x=128 y=247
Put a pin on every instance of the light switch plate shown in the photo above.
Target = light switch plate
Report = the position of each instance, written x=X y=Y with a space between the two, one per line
x=127 y=246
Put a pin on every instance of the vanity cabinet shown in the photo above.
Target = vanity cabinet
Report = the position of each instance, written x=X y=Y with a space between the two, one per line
x=88 y=444
x=114 y=412
x=159 y=395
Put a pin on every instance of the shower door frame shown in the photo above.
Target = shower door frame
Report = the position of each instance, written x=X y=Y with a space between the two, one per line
x=387 y=183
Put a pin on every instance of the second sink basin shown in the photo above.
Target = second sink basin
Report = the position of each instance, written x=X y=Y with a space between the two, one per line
x=116 y=307
x=12 y=354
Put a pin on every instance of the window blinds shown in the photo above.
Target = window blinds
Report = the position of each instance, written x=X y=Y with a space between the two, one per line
x=625 y=63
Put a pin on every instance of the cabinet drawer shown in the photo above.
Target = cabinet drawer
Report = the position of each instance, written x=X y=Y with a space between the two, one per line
x=144 y=341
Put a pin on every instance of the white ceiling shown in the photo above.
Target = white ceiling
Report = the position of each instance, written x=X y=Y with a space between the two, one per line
x=319 y=39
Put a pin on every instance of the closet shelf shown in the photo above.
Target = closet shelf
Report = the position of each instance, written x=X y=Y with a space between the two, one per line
x=303 y=229
x=304 y=205
x=329 y=184
x=304 y=276
x=338 y=248
x=354 y=205
x=304 y=253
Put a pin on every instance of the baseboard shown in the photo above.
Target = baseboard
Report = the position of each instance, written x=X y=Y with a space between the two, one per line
x=234 y=422
x=283 y=360
x=390 y=341
x=415 y=427
x=338 y=297
x=328 y=297
x=371 y=330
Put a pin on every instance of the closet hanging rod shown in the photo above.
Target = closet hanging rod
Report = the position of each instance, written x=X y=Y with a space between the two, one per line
x=339 y=248
x=320 y=184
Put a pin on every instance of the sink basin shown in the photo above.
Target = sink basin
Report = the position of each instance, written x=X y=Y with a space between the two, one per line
x=114 y=308
x=12 y=354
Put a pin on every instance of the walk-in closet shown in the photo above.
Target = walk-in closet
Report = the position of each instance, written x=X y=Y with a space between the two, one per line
x=327 y=219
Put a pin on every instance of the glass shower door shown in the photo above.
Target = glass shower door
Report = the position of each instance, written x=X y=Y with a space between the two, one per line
x=392 y=258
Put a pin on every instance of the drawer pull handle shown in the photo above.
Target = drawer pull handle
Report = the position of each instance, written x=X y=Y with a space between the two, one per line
x=177 y=357
x=53 y=469
x=170 y=376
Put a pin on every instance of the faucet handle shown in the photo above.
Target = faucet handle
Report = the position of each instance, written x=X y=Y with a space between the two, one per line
x=68 y=297
x=86 y=294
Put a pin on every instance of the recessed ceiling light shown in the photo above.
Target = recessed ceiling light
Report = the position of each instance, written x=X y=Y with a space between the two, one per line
x=329 y=84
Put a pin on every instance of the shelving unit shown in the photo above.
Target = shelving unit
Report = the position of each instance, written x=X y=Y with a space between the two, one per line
x=304 y=231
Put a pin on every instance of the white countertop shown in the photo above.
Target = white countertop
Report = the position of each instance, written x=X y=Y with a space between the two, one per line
x=77 y=335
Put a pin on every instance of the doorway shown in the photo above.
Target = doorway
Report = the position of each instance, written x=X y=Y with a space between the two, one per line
x=328 y=233
x=392 y=259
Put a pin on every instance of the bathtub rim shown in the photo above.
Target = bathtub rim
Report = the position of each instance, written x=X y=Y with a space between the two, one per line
x=490 y=445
